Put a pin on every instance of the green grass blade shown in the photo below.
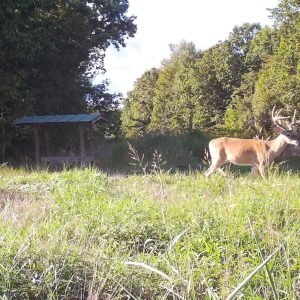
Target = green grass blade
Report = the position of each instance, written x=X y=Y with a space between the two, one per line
x=149 y=268
x=272 y=281
x=177 y=238
x=249 y=277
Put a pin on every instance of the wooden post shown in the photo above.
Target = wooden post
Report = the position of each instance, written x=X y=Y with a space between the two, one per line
x=37 y=146
x=46 y=133
x=93 y=152
x=82 y=152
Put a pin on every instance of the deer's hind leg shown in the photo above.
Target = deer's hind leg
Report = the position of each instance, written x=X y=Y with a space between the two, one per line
x=254 y=170
x=258 y=168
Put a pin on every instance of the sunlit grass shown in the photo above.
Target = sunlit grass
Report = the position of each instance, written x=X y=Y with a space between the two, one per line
x=80 y=233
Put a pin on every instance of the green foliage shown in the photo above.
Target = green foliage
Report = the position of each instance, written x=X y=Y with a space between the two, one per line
x=193 y=89
x=278 y=81
x=239 y=118
x=273 y=60
x=174 y=104
x=138 y=107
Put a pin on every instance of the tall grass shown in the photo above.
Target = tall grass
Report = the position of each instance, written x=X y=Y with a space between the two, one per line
x=184 y=150
x=81 y=234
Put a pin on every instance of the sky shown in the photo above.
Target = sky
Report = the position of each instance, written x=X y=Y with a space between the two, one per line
x=164 y=22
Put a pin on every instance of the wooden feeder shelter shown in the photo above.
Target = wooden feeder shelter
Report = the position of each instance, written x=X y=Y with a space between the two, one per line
x=43 y=123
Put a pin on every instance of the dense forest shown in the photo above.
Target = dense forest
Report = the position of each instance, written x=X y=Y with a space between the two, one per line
x=50 y=52
x=229 y=88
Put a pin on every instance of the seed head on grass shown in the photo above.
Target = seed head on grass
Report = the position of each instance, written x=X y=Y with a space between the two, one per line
x=138 y=160
x=157 y=162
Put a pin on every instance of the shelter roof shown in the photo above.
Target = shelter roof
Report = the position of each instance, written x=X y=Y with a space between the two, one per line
x=60 y=119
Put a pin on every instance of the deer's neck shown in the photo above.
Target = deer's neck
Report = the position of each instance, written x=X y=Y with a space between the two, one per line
x=276 y=147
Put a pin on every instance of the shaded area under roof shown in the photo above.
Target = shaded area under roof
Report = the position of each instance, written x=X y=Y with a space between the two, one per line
x=61 y=119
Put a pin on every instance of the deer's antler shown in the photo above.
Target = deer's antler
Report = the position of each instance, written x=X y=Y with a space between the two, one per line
x=277 y=118
x=294 y=124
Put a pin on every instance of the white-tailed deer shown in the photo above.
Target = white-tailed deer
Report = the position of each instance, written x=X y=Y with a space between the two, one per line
x=253 y=152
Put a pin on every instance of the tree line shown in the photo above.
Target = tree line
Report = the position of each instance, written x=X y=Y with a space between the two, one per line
x=229 y=88
x=51 y=50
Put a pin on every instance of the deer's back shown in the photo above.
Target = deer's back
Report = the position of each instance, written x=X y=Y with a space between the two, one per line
x=238 y=151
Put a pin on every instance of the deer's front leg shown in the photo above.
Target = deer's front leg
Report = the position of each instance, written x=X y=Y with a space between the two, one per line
x=261 y=169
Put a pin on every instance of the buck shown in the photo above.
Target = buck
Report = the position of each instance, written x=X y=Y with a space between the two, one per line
x=256 y=153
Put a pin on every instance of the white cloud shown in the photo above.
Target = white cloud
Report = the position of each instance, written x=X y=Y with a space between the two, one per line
x=162 y=22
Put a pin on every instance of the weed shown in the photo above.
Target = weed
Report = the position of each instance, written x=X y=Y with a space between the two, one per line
x=157 y=162
x=138 y=160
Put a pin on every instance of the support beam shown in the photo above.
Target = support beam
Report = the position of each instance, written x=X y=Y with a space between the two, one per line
x=93 y=152
x=37 y=146
x=47 y=145
x=82 y=152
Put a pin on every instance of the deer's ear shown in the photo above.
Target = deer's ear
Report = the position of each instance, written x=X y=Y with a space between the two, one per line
x=277 y=129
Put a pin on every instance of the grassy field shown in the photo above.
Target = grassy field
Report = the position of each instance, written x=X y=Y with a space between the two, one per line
x=81 y=234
